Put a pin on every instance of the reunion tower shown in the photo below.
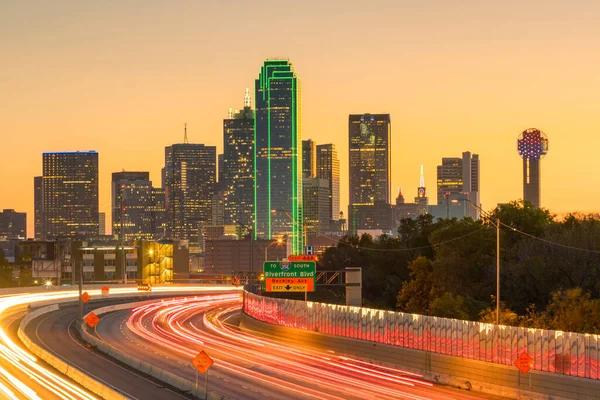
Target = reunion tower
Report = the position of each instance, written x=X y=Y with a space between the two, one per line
x=533 y=146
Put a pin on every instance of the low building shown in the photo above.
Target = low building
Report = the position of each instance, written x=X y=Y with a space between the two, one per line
x=13 y=225
x=221 y=257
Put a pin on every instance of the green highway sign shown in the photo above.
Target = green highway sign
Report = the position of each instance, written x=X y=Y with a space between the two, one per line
x=306 y=270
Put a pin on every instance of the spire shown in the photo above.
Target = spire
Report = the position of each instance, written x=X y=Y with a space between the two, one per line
x=185 y=138
x=422 y=181
x=247 y=101
x=399 y=191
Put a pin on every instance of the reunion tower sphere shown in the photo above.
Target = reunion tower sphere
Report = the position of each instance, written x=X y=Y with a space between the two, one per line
x=532 y=144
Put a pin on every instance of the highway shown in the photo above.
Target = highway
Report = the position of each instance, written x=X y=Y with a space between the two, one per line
x=253 y=366
x=22 y=375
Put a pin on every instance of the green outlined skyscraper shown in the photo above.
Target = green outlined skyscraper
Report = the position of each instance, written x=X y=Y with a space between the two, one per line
x=278 y=154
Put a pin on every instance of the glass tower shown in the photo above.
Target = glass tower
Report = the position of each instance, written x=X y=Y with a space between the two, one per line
x=309 y=163
x=69 y=194
x=278 y=154
x=238 y=166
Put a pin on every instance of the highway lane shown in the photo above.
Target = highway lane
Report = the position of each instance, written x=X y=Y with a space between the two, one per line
x=171 y=334
x=56 y=332
x=22 y=375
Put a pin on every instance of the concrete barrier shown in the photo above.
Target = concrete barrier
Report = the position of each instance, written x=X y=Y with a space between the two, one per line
x=463 y=373
x=155 y=371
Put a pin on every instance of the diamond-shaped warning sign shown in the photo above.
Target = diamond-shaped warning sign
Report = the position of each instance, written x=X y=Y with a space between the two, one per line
x=92 y=320
x=85 y=297
x=202 y=362
x=524 y=362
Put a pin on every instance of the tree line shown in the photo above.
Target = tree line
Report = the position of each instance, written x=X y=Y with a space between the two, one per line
x=549 y=268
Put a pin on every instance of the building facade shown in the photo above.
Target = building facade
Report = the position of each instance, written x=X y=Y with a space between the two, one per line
x=278 y=154
x=309 y=162
x=190 y=177
x=238 y=166
x=316 y=206
x=38 y=204
x=328 y=167
x=458 y=178
x=370 y=163
x=69 y=194
x=13 y=224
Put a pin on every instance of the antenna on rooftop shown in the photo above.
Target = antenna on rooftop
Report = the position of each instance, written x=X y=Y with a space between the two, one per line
x=185 y=138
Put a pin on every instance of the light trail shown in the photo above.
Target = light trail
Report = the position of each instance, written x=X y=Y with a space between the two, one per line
x=187 y=325
x=47 y=378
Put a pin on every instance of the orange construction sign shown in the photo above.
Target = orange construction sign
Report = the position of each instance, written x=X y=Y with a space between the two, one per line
x=303 y=257
x=524 y=362
x=202 y=362
x=92 y=320
x=85 y=297
x=105 y=290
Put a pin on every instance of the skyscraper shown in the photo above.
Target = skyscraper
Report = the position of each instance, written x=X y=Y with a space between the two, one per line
x=238 y=165
x=278 y=154
x=459 y=176
x=69 y=194
x=101 y=223
x=532 y=145
x=316 y=206
x=133 y=205
x=190 y=176
x=370 y=164
x=38 y=206
x=328 y=167
x=309 y=162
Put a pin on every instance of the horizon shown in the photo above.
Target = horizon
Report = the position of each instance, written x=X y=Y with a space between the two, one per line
x=123 y=81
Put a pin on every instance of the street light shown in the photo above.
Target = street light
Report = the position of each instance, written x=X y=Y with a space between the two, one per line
x=497 y=225
x=278 y=242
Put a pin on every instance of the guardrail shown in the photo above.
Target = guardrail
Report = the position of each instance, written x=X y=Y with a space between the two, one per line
x=566 y=353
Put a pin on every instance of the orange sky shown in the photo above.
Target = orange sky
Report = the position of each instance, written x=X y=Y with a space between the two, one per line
x=123 y=78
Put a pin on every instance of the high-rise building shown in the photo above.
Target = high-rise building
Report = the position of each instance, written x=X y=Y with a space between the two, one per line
x=422 y=201
x=316 y=206
x=38 y=204
x=134 y=207
x=459 y=178
x=220 y=167
x=328 y=167
x=403 y=209
x=101 y=223
x=69 y=194
x=13 y=225
x=532 y=145
x=278 y=154
x=238 y=166
x=158 y=213
x=190 y=176
x=370 y=163
x=309 y=162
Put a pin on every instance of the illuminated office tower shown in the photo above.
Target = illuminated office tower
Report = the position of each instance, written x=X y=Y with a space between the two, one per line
x=190 y=177
x=309 y=163
x=532 y=145
x=459 y=178
x=370 y=164
x=136 y=206
x=38 y=207
x=328 y=167
x=278 y=154
x=69 y=194
x=238 y=165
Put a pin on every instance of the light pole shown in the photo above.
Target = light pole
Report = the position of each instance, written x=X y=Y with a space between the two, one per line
x=278 y=241
x=497 y=225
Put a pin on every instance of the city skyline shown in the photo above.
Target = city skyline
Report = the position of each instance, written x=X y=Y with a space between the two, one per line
x=478 y=91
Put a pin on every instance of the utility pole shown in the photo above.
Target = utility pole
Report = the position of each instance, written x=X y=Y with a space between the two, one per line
x=497 y=272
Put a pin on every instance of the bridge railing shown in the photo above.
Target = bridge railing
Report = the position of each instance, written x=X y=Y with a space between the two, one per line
x=558 y=352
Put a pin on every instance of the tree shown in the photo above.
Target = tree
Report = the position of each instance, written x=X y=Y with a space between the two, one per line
x=573 y=310
x=416 y=294
x=448 y=306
